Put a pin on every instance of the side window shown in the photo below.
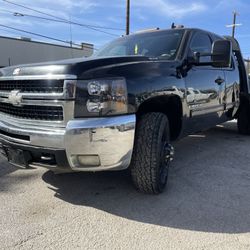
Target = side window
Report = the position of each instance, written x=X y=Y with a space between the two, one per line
x=201 y=43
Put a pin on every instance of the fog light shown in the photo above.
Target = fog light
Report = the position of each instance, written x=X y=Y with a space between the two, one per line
x=86 y=160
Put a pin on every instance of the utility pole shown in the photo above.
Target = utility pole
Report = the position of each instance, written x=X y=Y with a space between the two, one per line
x=234 y=25
x=128 y=18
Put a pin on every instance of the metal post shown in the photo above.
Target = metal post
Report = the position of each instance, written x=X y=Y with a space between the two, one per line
x=234 y=23
x=128 y=18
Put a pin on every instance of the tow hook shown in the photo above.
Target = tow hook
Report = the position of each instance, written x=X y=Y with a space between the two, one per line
x=169 y=153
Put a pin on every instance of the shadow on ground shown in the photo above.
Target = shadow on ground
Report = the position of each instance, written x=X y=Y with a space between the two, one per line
x=208 y=189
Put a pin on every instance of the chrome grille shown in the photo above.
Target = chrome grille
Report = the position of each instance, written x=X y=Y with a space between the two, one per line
x=40 y=100
x=33 y=86
x=33 y=112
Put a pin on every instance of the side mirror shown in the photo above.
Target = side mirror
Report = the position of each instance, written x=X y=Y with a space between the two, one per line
x=221 y=54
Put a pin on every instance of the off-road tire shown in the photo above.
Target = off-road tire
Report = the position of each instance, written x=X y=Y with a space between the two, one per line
x=244 y=120
x=152 y=133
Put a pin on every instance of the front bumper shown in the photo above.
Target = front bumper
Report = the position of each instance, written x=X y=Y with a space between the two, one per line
x=109 y=140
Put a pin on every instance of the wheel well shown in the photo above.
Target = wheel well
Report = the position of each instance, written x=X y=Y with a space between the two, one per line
x=169 y=105
x=244 y=102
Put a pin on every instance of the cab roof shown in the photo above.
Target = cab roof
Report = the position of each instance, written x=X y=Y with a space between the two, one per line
x=177 y=28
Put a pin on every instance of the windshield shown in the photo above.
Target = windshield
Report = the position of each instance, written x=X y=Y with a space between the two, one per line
x=161 y=44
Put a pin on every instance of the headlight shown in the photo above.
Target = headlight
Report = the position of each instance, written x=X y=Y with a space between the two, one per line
x=105 y=97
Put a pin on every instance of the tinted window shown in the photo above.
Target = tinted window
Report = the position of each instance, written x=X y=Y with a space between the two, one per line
x=202 y=43
x=152 y=44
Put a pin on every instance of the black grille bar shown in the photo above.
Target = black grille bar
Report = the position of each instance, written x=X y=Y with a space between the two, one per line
x=16 y=136
x=33 y=86
x=47 y=113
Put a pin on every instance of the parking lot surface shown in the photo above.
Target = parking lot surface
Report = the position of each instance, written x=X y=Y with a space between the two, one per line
x=206 y=205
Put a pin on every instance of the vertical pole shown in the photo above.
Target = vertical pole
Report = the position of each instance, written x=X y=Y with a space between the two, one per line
x=234 y=24
x=128 y=18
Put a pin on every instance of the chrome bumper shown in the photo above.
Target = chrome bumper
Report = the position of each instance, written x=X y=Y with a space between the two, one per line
x=110 y=140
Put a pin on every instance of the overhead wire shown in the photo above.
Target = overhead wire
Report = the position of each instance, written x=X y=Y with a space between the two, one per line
x=68 y=22
x=15 y=13
x=40 y=35
x=92 y=27
x=10 y=32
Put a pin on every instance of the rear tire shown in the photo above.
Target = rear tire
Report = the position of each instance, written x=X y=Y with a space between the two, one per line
x=151 y=155
x=244 y=120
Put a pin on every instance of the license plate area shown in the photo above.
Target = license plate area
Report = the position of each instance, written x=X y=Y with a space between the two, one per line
x=18 y=157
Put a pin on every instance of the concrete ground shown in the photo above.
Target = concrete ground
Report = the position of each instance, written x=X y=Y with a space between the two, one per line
x=206 y=205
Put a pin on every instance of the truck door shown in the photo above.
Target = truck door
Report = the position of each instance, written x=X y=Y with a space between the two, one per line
x=205 y=86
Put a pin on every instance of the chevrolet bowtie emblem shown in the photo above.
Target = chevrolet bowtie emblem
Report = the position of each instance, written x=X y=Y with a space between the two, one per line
x=15 y=97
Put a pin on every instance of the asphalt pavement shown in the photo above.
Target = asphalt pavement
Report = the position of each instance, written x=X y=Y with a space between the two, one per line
x=206 y=204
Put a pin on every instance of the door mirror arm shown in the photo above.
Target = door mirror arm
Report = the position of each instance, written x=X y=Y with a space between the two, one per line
x=195 y=59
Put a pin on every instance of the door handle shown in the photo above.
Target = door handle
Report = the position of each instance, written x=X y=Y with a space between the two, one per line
x=219 y=80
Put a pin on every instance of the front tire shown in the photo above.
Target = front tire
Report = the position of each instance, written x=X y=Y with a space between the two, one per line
x=152 y=153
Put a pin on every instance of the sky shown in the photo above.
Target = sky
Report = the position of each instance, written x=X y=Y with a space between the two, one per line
x=212 y=15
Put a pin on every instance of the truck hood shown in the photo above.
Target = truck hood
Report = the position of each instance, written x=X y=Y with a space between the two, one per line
x=70 y=67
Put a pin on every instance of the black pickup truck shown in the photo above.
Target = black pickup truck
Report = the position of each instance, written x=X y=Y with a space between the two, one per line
x=124 y=106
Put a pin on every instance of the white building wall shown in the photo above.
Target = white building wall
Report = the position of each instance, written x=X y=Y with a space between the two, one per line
x=16 y=51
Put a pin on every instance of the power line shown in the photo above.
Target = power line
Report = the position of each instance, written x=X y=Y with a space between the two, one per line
x=62 y=21
x=21 y=14
x=96 y=28
x=10 y=32
x=46 y=19
x=40 y=35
